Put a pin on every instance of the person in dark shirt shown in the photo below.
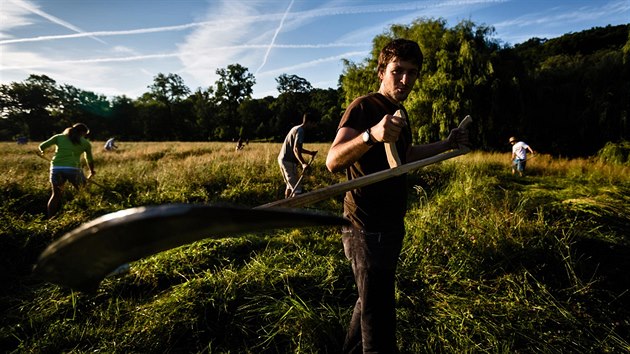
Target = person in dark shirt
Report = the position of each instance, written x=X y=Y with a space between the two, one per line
x=374 y=241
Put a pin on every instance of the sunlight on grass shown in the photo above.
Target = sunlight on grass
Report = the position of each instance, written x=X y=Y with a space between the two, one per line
x=491 y=263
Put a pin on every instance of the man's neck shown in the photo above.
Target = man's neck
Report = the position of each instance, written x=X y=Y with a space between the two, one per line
x=390 y=99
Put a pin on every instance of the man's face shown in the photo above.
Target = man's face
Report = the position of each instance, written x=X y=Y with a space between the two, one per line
x=398 y=79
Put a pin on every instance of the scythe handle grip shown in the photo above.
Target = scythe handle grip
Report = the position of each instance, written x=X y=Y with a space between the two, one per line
x=42 y=156
x=391 y=151
x=464 y=125
x=465 y=122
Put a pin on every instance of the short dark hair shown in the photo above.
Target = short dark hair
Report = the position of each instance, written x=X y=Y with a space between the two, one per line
x=402 y=49
x=308 y=117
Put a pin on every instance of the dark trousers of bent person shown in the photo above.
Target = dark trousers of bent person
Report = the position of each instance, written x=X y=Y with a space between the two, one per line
x=374 y=256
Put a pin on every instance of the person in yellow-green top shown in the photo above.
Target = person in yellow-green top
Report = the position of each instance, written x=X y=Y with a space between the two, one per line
x=65 y=165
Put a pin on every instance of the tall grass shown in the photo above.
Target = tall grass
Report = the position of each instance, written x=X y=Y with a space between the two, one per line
x=501 y=260
x=492 y=263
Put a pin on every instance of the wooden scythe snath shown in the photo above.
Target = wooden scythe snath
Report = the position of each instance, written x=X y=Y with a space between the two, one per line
x=299 y=181
x=84 y=256
x=390 y=148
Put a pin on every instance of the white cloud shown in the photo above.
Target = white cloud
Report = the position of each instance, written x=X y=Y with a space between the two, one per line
x=216 y=45
x=81 y=75
x=124 y=50
x=12 y=17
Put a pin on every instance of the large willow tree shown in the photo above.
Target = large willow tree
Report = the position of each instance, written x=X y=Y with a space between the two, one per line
x=456 y=72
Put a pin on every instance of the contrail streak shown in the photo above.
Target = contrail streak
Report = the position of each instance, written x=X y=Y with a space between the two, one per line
x=275 y=35
x=314 y=62
x=51 y=18
x=106 y=33
x=177 y=54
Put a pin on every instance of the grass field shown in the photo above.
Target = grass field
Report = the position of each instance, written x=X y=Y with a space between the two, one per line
x=492 y=263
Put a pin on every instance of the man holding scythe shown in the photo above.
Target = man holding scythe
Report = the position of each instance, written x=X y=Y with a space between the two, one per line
x=369 y=130
x=519 y=155
x=291 y=155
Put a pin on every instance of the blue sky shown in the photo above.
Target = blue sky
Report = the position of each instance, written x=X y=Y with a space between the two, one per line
x=117 y=47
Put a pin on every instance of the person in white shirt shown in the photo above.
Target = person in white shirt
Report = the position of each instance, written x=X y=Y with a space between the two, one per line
x=110 y=145
x=519 y=155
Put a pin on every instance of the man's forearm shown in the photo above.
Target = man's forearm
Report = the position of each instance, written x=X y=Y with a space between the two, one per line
x=341 y=156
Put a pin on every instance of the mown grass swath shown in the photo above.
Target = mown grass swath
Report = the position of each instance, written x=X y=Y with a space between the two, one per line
x=491 y=263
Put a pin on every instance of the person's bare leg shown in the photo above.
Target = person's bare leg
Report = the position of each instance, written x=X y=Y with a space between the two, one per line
x=54 y=201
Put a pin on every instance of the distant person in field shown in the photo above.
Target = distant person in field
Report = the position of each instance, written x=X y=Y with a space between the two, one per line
x=239 y=144
x=110 y=144
x=519 y=155
x=291 y=155
x=374 y=241
x=65 y=166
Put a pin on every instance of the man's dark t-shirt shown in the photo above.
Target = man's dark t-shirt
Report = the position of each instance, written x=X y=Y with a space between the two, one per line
x=380 y=206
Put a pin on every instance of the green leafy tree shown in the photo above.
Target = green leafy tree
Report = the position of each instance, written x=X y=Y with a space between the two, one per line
x=456 y=74
x=154 y=118
x=83 y=106
x=256 y=116
x=204 y=108
x=327 y=105
x=235 y=84
x=456 y=71
x=162 y=110
x=358 y=79
x=566 y=89
x=12 y=122
x=288 y=110
x=124 y=123
x=30 y=105
x=169 y=88
x=293 y=84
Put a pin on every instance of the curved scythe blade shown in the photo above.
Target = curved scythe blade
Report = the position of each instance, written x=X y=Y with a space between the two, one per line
x=87 y=254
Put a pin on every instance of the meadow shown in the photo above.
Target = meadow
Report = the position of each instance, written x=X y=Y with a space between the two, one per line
x=492 y=263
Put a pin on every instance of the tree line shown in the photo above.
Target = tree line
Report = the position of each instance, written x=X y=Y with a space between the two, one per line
x=565 y=96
